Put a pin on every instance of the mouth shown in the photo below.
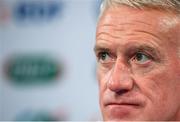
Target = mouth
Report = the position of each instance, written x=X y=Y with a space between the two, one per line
x=123 y=104
x=134 y=101
x=122 y=109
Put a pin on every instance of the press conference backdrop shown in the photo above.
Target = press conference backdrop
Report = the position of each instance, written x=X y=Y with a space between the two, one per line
x=48 y=68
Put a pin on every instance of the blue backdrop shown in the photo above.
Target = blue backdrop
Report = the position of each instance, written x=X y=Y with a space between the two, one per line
x=47 y=60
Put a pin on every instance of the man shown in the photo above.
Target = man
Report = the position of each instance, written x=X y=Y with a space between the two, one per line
x=138 y=54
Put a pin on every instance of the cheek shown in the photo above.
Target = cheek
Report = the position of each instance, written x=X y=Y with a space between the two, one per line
x=101 y=82
x=103 y=77
x=100 y=76
x=157 y=80
x=157 y=84
x=160 y=87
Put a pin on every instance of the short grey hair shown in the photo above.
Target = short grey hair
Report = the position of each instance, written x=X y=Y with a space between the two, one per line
x=160 y=4
x=167 y=5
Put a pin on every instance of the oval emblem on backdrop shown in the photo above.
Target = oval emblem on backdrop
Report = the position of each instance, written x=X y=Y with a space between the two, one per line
x=32 y=69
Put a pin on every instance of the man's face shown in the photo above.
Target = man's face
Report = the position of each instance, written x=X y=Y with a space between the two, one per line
x=138 y=64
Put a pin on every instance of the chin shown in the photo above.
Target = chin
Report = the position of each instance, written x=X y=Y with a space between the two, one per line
x=122 y=113
x=130 y=118
x=124 y=116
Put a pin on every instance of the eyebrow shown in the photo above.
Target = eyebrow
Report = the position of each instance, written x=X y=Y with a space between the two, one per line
x=132 y=48
x=147 y=48
x=99 y=48
x=143 y=47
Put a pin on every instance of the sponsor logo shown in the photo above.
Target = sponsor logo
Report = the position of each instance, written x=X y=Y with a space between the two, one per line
x=31 y=11
x=32 y=69
x=37 y=11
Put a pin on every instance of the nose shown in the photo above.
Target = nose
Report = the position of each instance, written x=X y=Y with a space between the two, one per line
x=120 y=79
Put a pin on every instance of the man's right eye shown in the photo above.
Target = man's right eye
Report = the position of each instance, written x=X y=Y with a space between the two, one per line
x=104 y=57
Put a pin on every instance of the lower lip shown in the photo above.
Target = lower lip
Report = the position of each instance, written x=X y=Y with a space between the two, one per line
x=121 y=111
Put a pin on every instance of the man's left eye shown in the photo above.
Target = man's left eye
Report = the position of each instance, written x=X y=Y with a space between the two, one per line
x=141 y=58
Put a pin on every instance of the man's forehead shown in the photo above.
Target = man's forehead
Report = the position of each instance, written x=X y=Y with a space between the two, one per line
x=155 y=21
x=124 y=14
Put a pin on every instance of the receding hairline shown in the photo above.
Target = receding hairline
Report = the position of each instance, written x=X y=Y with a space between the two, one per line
x=167 y=5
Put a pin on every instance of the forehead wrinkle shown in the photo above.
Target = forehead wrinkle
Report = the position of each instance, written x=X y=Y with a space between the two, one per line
x=139 y=21
x=105 y=29
x=108 y=30
x=102 y=34
x=132 y=35
x=148 y=33
x=121 y=26
x=134 y=22
x=108 y=27
x=131 y=22
x=166 y=20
